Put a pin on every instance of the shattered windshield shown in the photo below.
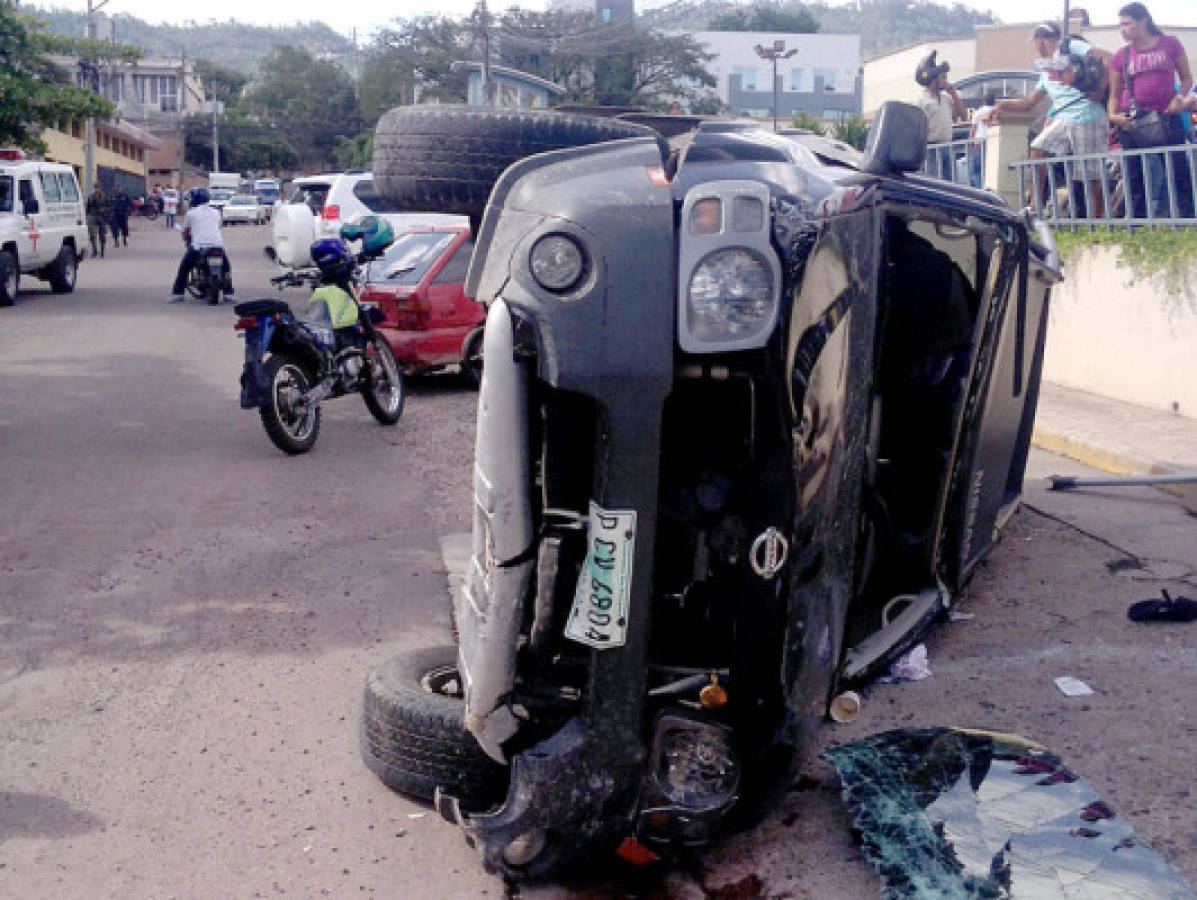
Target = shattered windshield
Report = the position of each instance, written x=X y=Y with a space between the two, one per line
x=947 y=812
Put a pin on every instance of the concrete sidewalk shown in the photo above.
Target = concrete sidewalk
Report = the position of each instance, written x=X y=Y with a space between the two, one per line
x=1116 y=437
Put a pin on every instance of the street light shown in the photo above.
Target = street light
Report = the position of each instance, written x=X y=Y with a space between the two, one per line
x=774 y=53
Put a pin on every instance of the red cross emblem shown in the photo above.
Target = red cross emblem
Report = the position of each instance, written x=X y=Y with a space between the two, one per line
x=34 y=234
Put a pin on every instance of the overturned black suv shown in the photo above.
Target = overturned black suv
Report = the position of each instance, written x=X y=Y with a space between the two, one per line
x=754 y=407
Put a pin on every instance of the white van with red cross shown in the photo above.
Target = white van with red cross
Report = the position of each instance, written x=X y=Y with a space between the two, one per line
x=42 y=225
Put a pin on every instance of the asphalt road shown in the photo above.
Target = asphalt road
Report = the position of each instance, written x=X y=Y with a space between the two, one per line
x=187 y=616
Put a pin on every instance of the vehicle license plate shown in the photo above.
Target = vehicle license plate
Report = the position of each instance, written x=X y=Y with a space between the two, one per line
x=599 y=616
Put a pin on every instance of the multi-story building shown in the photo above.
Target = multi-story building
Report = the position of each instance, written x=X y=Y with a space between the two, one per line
x=821 y=78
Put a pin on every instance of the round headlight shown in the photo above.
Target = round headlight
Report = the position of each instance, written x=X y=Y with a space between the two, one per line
x=730 y=296
x=557 y=262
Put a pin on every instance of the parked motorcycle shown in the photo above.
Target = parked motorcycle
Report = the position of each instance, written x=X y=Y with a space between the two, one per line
x=209 y=277
x=754 y=409
x=146 y=208
x=292 y=366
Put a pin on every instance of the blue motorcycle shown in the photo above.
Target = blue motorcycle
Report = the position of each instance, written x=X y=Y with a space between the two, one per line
x=293 y=365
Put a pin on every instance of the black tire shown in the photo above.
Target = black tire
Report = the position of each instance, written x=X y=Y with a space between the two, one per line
x=471 y=360
x=64 y=270
x=291 y=432
x=447 y=158
x=383 y=390
x=412 y=733
x=10 y=278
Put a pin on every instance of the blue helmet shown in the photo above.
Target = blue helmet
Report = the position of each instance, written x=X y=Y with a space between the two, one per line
x=199 y=196
x=333 y=259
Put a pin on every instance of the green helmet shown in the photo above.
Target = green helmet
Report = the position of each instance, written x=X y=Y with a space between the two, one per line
x=374 y=232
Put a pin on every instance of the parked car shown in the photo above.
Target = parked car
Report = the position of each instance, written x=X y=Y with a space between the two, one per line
x=267 y=192
x=42 y=230
x=419 y=284
x=243 y=208
x=219 y=197
x=755 y=408
x=318 y=204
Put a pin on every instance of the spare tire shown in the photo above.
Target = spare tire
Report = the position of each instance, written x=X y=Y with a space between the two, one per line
x=293 y=231
x=447 y=158
x=413 y=735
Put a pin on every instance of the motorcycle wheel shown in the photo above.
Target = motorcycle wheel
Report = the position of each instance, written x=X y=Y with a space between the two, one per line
x=151 y=213
x=197 y=284
x=291 y=431
x=212 y=290
x=384 y=390
x=413 y=737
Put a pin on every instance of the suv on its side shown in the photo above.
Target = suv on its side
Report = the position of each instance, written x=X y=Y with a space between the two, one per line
x=318 y=204
x=42 y=228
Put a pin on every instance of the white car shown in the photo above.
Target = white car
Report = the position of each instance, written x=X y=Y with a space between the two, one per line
x=243 y=208
x=218 y=197
x=42 y=230
x=319 y=204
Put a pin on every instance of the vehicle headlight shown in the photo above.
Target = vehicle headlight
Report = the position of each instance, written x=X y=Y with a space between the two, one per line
x=557 y=262
x=730 y=296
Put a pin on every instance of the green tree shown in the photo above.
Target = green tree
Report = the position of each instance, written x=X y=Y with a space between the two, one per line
x=410 y=60
x=310 y=101
x=766 y=18
x=804 y=120
x=34 y=91
x=851 y=130
x=220 y=82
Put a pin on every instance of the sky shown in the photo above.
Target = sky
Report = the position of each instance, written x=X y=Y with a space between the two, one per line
x=367 y=17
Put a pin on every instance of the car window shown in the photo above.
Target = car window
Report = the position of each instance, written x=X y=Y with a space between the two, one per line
x=365 y=191
x=28 y=198
x=455 y=269
x=68 y=188
x=5 y=194
x=311 y=194
x=49 y=186
x=410 y=257
x=242 y=201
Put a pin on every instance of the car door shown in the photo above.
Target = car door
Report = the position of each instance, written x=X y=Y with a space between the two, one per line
x=447 y=302
x=30 y=244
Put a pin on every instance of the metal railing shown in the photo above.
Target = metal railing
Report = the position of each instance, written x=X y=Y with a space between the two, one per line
x=960 y=162
x=1153 y=186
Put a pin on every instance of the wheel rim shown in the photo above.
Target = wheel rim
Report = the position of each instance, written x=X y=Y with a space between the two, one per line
x=289 y=385
x=69 y=268
x=10 y=282
x=442 y=680
x=384 y=379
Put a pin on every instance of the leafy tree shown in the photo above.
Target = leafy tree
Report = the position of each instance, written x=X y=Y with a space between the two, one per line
x=354 y=152
x=851 y=130
x=34 y=91
x=552 y=45
x=766 y=18
x=803 y=119
x=311 y=101
x=220 y=82
x=411 y=61
x=245 y=145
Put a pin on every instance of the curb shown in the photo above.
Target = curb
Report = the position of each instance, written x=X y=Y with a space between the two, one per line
x=1092 y=454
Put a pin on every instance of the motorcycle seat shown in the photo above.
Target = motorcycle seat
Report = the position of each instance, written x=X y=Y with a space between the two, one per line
x=261 y=307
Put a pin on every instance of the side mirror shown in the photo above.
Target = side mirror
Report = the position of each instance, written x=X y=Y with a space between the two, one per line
x=270 y=254
x=897 y=141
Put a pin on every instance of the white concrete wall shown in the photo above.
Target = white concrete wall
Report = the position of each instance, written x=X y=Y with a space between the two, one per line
x=1112 y=334
x=732 y=49
x=891 y=77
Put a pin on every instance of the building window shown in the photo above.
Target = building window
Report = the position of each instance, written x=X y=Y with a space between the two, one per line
x=76 y=128
x=606 y=15
x=796 y=80
x=835 y=114
x=828 y=78
x=747 y=77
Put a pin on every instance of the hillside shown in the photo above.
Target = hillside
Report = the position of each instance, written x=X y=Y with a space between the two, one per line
x=233 y=44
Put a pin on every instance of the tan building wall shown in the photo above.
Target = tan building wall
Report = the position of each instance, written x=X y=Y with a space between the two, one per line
x=114 y=149
x=891 y=77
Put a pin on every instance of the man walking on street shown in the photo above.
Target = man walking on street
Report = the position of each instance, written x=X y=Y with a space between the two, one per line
x=122 y=208
x=97 y=210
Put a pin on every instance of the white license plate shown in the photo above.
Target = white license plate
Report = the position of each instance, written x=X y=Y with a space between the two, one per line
x=599 y=616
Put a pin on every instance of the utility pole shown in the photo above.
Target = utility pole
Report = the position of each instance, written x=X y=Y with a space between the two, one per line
x=92 y=72
x=482 y=26
x=773 y=54
x=215 y=140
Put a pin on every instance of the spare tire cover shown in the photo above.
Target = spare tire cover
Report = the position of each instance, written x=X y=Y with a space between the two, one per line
x=294 y=230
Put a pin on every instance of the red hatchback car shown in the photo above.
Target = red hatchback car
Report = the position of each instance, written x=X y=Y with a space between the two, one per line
x=419 y=284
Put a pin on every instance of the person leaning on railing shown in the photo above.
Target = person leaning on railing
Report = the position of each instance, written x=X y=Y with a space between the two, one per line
x=1154 y=64
x=1075 y=123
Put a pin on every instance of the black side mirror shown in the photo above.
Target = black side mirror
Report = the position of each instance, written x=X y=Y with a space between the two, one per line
x=270 y=254
x=897 y=141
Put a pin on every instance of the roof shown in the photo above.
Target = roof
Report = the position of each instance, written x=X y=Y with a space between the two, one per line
x=465 y=65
